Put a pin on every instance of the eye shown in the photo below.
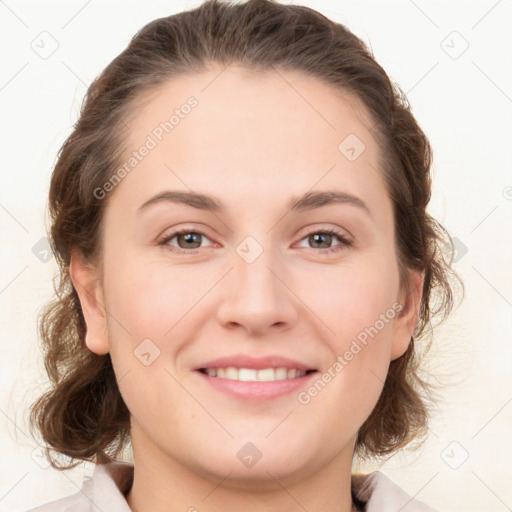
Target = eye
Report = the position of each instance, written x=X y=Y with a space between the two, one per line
x=186 y=238
x=189 y=240
x=325 y=237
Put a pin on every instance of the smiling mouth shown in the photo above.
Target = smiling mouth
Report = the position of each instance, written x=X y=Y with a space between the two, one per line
x=255 y=375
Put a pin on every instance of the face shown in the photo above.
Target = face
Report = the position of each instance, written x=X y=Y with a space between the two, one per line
x=272 y=270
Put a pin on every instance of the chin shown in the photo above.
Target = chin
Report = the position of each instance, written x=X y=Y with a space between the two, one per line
x=250 y=459
x=262 y=475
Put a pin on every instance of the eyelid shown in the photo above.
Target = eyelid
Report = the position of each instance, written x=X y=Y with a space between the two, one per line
x=346 y=241
x=319 y=228
x=169 y=235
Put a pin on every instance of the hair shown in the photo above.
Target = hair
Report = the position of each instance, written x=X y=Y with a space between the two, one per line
x=83 y=415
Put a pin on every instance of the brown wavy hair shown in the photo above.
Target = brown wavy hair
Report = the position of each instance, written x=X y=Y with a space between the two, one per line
x=83 y=415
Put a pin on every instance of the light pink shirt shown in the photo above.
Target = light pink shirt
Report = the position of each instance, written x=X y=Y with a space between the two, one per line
x=105 y=491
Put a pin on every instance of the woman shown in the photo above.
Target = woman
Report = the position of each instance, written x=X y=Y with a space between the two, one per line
x=246 y=265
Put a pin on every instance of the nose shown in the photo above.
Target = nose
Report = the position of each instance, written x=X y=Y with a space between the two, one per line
x=258 y=295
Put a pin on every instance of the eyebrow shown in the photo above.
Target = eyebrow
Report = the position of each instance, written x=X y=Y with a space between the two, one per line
x=307 y=201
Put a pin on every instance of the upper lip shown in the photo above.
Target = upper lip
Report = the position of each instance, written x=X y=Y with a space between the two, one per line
x=257 y=363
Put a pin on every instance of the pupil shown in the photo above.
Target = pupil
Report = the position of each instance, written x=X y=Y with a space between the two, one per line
x=321 y=235
x=189 y=238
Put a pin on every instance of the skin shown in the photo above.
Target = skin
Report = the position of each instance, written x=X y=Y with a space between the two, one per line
x=254 y=141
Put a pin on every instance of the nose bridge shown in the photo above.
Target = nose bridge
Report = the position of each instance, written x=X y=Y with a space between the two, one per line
x=256 y=297
x=253 y=263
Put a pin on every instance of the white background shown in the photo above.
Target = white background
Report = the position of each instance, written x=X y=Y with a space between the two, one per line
x=464 y=104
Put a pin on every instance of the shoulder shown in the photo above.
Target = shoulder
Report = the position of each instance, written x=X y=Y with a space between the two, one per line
x=105 y=490
x=381 y=494
x=73 y=503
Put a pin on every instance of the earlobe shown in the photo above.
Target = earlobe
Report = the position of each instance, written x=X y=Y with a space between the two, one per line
x=407 y=319
x=87 y=284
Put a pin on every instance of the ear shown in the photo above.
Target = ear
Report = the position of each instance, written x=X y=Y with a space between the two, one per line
x=85 y=279
x=407 y=318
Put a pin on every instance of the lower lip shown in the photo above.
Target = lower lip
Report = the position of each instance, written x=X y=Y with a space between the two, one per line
x=257 y=390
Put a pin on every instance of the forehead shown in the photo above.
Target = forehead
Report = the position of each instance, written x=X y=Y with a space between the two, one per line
x=261 y=100
x=249 y=133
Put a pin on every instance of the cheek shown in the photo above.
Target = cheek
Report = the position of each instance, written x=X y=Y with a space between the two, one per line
x=358 y=306
x=149 y=298
x=352 y=297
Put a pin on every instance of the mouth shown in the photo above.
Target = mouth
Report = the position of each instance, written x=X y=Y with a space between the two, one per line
x=255 y=385
x=255 y=375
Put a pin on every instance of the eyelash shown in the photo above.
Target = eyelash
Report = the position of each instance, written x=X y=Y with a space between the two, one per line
x=345 y=243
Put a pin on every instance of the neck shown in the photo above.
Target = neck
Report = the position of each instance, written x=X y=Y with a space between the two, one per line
x=163 y=484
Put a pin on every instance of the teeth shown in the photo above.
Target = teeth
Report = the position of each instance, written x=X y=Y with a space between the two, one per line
x=252 y=375
x=281 y=373
x=245 y=374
